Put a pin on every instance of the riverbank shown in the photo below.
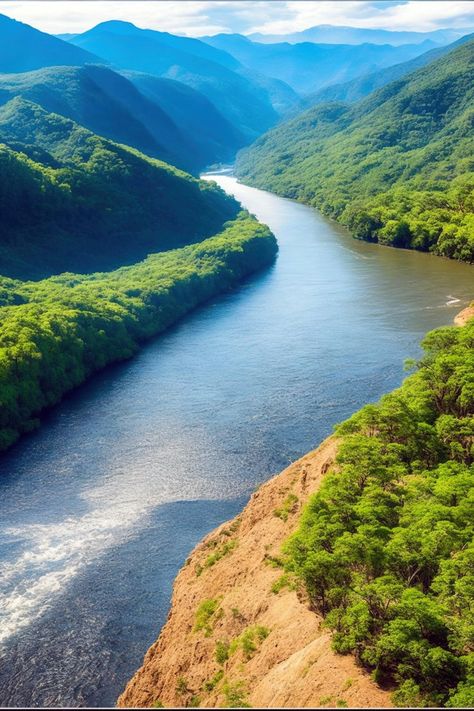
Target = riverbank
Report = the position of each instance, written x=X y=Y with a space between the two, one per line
x=231 y=591
x=57 y=332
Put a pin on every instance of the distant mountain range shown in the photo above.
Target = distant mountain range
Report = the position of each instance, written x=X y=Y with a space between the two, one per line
x=335 y=34
x=307 y=67
x=244 y=101
x=356 y=89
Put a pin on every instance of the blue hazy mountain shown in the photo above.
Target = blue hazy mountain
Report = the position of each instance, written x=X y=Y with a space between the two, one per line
x=307 y=67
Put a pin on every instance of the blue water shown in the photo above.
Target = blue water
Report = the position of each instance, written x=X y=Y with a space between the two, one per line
x=102 y=505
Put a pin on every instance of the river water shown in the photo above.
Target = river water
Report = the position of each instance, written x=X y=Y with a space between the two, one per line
x=100 y=507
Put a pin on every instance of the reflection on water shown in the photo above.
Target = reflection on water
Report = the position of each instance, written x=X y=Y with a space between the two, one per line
x=101 y=506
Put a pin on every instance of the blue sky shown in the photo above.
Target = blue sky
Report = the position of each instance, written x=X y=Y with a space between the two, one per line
x=198 y=17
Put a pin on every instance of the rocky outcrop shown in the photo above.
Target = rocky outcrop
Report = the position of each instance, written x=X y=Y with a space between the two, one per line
x=239 y=632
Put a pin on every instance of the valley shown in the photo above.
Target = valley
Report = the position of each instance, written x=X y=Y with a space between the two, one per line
x=226 y=242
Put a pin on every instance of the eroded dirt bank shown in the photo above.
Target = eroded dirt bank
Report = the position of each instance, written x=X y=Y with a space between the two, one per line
x=227 y=603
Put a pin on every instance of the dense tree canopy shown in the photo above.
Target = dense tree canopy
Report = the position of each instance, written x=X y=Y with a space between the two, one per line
x=396 y=167
x=386 y=547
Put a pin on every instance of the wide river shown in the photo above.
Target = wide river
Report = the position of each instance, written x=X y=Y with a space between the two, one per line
x=100 y=507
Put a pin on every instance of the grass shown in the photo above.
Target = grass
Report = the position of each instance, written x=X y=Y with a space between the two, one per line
x=287 y=507
x=211 y=684
x=235 y=695
x=249 y=641
x=207 y=614
x=284 y=581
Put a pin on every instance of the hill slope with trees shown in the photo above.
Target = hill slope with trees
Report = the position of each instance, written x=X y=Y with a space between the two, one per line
x=71 y=200
x=396 y=167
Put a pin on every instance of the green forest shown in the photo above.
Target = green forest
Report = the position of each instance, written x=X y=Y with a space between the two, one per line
x=57 y=332
x=396 y=167
x=385 y=548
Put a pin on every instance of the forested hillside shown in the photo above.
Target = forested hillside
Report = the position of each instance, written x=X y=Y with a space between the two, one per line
x=385 y=548
x=396 y=167
x=107 y=104
x=56 y=332
x=71 y=200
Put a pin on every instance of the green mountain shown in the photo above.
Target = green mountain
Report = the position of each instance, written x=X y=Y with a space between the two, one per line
x=107 y=104
x=71 y=200
x=356 y=89
x=23 y=48
x=245 y=104
x=396 y=167
x=307 y=67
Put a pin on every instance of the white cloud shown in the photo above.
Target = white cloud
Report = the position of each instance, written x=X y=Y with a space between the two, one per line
x=198 y=17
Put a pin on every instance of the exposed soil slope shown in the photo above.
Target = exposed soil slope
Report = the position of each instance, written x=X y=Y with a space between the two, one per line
x=279 y=653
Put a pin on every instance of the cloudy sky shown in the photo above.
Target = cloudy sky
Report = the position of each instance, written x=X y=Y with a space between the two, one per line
x=198 y=17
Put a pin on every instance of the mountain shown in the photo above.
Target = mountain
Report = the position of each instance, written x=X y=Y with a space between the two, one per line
x=71 y=200
x=356 y=89
x=335 y=34
x=395 y=167
x=171 y=122
x=307 y=67
x=206 y=69
x=23 y=48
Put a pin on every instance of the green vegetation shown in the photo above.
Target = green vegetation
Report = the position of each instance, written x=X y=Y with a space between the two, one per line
x=223 y=550
x=287 y=507
x=235 y=694
x=181 y=686
x=385 y=548
x=249 y=640
x=211 y=684
x=396 y=168
x=208 y=612
x=57 y=332
x=284 y=581
x=72 y=201
x=160 y=117
x=222 y=652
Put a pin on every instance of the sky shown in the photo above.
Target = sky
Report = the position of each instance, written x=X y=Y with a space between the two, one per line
x=201 y=17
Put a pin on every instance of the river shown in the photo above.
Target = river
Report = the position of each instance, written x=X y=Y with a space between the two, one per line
x=101 y=506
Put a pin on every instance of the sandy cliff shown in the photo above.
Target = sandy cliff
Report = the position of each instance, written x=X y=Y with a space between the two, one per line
x=278 y=652
x=464 y=316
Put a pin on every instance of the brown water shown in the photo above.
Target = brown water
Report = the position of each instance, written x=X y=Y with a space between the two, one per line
x=101 y=506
